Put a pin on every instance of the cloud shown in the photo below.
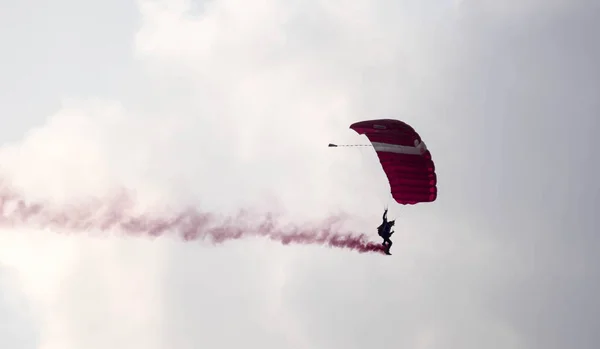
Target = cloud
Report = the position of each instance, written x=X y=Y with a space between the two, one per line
x=493 y=96
x=21 y=329
x=242 y=100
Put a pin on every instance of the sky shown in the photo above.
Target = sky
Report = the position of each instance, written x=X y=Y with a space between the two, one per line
x=229 y=105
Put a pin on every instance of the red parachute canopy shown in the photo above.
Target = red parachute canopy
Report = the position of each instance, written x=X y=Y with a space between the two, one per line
x=404 y=158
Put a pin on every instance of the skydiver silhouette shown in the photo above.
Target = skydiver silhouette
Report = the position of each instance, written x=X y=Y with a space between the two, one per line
x=385 y=231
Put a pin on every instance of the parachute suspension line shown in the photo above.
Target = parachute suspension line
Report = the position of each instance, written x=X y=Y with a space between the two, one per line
x=387 y=203
x=331 y=145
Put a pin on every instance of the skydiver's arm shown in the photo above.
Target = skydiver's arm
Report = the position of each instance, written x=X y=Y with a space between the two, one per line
x=385 y=215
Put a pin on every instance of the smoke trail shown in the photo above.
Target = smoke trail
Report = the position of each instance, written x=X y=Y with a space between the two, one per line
x=117 y=215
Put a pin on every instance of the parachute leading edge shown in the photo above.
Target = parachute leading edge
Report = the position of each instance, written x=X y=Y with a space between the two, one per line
x=404 y=158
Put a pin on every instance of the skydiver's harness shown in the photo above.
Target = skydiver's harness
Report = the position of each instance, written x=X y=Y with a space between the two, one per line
x=385 y=227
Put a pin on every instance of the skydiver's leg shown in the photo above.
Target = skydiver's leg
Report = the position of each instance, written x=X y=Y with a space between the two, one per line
x=387 y=245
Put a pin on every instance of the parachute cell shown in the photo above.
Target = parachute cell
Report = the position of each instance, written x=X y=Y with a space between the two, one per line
x=404 y=158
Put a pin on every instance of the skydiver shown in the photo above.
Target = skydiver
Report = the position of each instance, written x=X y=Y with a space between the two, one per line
x=385 y=231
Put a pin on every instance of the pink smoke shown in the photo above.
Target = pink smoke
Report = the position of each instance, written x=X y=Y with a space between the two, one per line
x=190 y=224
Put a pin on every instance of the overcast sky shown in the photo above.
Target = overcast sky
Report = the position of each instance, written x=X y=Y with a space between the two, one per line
x=229 y=104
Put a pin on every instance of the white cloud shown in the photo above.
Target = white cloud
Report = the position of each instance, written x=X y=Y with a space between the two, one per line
x=250 y=95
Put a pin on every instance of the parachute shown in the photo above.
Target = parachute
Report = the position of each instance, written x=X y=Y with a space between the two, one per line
x=404 y=158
